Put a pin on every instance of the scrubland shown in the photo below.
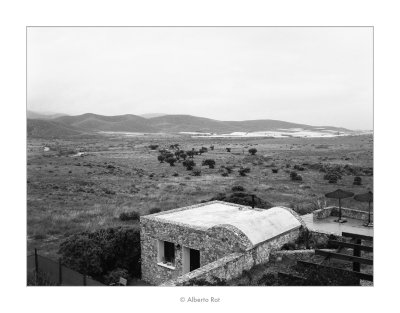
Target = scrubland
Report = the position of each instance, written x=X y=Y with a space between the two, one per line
x=68 y=193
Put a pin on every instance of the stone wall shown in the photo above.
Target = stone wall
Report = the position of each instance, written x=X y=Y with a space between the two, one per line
x=213 y=244
x=346 y=212
x=233 y=265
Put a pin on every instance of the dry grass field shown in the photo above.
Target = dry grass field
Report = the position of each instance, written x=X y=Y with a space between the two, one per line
x=68 y=194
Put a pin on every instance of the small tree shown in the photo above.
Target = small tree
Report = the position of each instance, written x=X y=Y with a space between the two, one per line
x=211 y=148
x=189 y=164
x=161 y=158
x=253 y=151
x=171 y=161
x=209 y=162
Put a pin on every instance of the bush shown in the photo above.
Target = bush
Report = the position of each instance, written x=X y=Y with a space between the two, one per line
x=190 y=154
x=275 y=170
x=211 y=148
x=243 y=171
x=209 y=162
x=153 y=147
x=97 y=253
x=243 y=199
x=113 y=276
x=171 y=161
x=253 y=151
x=228 y=149
x=129 y=216
x=196 y=172
x=189 y=164
x=298 y=167
x=203 y=150
x=154 y=210
x=238 y=188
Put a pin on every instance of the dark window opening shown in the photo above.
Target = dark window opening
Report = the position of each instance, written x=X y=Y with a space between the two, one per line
x=169 y=252
x=194 y=259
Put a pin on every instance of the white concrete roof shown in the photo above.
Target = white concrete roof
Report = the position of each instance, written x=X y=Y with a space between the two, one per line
x=258 y=225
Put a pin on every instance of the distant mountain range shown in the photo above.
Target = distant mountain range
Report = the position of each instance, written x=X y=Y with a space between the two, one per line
x=89 y=123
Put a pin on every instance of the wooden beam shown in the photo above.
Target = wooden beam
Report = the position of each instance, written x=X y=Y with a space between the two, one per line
x=351 y=245
x=357 y=236
x=344 y=257
x=359 y=275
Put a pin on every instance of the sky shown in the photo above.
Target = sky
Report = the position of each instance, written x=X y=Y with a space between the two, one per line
x=317 y=76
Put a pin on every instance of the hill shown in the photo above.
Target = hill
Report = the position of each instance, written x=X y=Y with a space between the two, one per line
x=90 y=123
x=42 y=116
x=38 y=128
x=119 y=123
x=189 y=123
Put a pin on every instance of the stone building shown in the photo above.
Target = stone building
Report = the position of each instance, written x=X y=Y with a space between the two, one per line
x=214 y=238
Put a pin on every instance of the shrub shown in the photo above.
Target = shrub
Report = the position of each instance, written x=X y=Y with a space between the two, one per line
x=243 y=199
x=203 y=150
x=298 y=167
x=243 y=171
x=113 y=276
x=154 y=210
x=253 y=151
x=190 y=154
x=97 y=253
x=357 y=180
x=209 y=162
x=211 y=148
x=171 y=161
x=196 y=172
x=175 y=174
x=228 y=149
x=238 y=188
x=275 y=170
x=153 y=147
x=129 y=216
x=189 y=164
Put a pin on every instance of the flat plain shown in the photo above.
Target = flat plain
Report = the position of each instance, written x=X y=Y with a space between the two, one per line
x=68 y=192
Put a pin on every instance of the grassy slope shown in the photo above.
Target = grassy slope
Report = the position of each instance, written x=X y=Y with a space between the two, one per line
x=67 y=194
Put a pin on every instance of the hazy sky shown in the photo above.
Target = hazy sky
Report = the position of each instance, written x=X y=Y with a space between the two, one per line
x=316 y=76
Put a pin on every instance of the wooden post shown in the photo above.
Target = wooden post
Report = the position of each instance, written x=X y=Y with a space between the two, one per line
x=36 y=262
x=59 y=272
x=357 y=252
x=84 y=279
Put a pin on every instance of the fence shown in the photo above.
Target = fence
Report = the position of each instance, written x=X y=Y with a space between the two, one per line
x=57 y=273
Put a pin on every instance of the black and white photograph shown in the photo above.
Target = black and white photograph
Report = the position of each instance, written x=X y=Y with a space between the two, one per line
x=200 y=156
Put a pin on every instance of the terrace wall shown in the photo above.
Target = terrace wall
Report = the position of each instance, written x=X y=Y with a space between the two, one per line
x=346 y=212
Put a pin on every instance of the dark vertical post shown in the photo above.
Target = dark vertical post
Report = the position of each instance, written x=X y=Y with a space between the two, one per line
x=36 y=262
x=357 y=252
x=369 y=213
x=252 y=201
x=340 y=211
x=84 y=279
x=59 y=272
